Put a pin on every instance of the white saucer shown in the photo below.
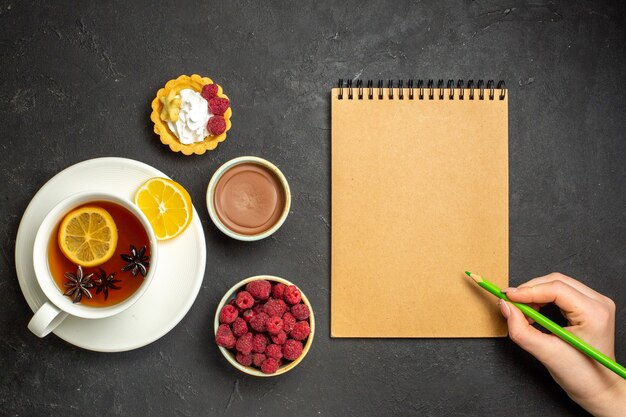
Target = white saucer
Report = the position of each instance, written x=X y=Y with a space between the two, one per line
x=176 y=282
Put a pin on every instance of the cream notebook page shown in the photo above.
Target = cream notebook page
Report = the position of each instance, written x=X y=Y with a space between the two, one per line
x=419 y=195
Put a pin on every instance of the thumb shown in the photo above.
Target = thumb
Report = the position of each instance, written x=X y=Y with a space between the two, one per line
x=542 y=346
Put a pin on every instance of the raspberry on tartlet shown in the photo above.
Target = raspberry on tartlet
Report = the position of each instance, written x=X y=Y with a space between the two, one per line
x=209 y=91
x=216 y=125
x=168 y=102
x=218 y=105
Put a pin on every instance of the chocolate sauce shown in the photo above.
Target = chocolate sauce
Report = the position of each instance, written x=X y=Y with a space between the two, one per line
x=249 y=199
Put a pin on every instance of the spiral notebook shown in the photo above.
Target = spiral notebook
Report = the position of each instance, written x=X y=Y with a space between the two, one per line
x=419 y=195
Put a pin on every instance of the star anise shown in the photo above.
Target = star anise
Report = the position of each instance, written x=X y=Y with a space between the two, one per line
x=137 y=261
x=105 y=282
x=78 y=285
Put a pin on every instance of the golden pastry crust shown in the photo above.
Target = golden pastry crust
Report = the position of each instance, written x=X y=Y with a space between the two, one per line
x=194 y=82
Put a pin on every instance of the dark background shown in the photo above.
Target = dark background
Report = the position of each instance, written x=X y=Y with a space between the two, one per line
x=77 y=81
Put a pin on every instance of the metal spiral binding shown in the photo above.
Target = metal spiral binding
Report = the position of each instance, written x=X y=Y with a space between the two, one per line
x=451 y=86
x=481 y=89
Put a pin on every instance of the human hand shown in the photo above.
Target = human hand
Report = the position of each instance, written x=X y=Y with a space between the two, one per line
x=591 y=317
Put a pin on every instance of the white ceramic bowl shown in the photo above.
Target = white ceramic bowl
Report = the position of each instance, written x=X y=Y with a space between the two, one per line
x=249 y=369
x=210 y=200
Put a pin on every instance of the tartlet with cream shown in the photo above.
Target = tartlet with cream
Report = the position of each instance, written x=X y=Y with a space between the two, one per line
x=191 y=114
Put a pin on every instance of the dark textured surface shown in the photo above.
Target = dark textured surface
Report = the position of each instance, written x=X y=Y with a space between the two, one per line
x=76 y=84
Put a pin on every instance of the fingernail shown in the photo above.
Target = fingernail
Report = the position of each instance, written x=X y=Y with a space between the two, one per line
x=509 y=289
x=504 y=308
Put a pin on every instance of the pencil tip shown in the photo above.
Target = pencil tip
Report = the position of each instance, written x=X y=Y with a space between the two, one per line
x=469 y=274
x=476 y=278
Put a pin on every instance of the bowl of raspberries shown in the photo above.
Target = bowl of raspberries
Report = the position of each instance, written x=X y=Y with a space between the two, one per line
x=264 y=326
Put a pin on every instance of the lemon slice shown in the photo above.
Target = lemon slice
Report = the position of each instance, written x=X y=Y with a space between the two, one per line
x=88 y=236
x=167 y=206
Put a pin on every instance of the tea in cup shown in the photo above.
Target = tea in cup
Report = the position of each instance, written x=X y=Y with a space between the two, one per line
x=94 y=256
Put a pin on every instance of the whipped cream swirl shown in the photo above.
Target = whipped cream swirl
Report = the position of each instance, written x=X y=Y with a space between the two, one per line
x=193 y=117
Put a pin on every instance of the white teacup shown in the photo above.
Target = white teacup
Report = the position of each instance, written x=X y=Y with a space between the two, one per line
x=58 y=306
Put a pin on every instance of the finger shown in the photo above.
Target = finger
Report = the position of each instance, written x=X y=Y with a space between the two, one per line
x=535 y=307
x=589 y=292
x=567 y=298
x=540 y=345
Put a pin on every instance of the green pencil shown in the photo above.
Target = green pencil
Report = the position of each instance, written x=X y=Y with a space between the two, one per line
x=557 y=330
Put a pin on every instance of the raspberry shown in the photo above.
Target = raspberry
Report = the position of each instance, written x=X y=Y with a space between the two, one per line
x=216 y=125
x=224 y=337
x=275 y=307
x=228 y=314
x=218 y=105
x=300 y=331
x=244 y=344
x=209 y=91
x=279 y=338
x=259 y=342
x=258 y=358
x=258 y=308
x=300 y=311
x=244 y=300
x=240 y=327
x=259 y=289
x=292 y=294
x=274 y=325
x=258 y=322
x=269 y=366
x=247 y=315
x=227 y=342
x=292 y=349
x=288 y=322
x=273 y=351
x=245 y=360
x=278 y=291
x=223 y=330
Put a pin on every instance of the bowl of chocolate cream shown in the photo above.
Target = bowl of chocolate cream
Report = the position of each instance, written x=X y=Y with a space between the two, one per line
x=248 y=198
